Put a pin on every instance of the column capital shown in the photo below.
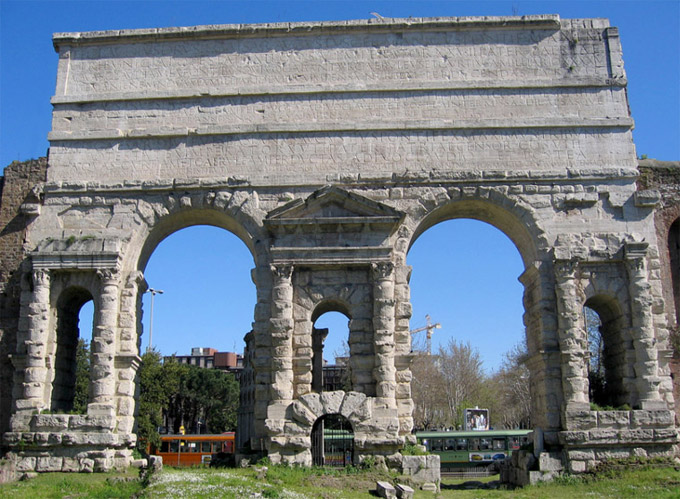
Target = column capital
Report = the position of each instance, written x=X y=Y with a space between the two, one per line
x=282 y=270
x=566 y=269
x=135 y=279
x=382 y=270
x=40 y=277
x=110 y=274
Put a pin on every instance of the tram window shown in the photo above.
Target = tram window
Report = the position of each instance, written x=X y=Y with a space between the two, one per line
x=205 y=446
x=450 y=444
x=461 y=444
x=514 y=443
x=165 y=446
x=174 y=445
x=437 y=444
x=485 y=444
x=525 y=440
x=498 y=444
x=193 y=447
x=474 y=444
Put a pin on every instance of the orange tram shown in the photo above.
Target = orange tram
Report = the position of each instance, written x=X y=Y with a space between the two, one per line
x=194 y=450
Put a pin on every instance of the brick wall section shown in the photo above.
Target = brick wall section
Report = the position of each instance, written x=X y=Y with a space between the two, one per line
x=15 y=187
x=664 y=176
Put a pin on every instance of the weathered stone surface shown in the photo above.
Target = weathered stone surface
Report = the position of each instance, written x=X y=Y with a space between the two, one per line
x=386 y=490
x=404 y=491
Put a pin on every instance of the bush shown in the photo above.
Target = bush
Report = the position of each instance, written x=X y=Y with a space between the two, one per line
x=413 y=450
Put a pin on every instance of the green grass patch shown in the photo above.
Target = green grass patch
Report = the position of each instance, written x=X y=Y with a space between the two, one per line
x=648 y=480
x=90 y=485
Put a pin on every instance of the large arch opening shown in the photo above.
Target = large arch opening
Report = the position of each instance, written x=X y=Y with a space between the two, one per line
x=466 y=262
x=604 y=324
x=200 y=311
x=71 y=371
x=208 y=294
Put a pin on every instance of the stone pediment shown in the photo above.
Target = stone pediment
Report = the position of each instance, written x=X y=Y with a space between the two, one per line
x=336 y=207
x=332 y=226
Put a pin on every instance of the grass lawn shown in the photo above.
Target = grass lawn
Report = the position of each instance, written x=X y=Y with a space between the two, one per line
x=58 y=485
x=299 y=483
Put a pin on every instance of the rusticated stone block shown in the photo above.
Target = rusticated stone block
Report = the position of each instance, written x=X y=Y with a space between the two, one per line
x=666 y=435
x=603 y=436
x=50 y=422
x=613 y=419
x=652 y=418
x=634 y=436
x=572 y=437
x=52 y=463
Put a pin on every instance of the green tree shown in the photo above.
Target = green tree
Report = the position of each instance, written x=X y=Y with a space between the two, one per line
x=156 y=384
x=205 y=396
x=81 y=396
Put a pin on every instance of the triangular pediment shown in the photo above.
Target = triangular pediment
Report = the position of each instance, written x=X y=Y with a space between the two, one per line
x=334 y=204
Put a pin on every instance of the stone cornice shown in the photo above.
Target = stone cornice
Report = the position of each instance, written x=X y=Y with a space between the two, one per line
x=342 y=127
x=342 y=88
x=545 y=21
x=457 y=177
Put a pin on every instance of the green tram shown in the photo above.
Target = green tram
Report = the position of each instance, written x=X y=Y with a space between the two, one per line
x=465 y=449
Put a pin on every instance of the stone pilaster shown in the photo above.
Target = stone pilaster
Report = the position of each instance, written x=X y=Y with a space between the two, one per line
x=281 y=323
x=34 y=326
x=103 y=376
x=543 y=360
x=384 y=371
x=571 y=336
x=403 y=357
x=642 y=328
x=127 y=359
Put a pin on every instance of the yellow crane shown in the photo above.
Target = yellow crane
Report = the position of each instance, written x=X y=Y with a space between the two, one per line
x=430 y=329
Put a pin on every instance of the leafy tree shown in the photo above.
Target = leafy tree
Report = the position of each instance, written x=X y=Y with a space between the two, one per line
x=206 y=400
x=81 y=396
x=156 y=384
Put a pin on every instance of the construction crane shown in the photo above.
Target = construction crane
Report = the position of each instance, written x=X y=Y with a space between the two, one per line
x=430 y=329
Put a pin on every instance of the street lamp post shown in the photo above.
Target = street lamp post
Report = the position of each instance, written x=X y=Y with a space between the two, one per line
x=153 y=292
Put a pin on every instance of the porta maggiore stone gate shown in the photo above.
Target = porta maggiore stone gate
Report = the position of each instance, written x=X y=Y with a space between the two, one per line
x=328 y=148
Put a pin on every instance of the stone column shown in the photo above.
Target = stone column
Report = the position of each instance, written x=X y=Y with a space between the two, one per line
x=318 y=337
x=102 y=375
x=571 y=336
x=34 y=326
x=642 y=330
x=281 y=323
x=384 y=371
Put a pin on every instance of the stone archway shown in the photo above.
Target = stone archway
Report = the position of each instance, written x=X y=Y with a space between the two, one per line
x=328 y=176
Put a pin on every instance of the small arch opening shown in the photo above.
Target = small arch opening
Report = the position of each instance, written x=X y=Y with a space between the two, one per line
x=606 y=352
x=674 y=254
x=332 y=441
x=71 y=374
x=330 y=348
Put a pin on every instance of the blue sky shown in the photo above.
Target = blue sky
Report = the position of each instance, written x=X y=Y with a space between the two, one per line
x=205 y=272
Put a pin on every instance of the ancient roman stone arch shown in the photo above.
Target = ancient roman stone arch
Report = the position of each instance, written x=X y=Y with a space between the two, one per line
x=328 y=148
